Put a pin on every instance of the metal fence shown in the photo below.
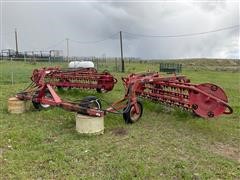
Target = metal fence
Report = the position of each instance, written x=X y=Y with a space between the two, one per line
x=33 y=59
x=170 y=68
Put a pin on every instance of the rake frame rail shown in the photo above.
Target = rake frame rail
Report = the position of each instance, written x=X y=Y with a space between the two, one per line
x=39 y=96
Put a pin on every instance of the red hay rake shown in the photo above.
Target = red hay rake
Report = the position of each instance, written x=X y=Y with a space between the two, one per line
x=83 y=78
x=206 y=100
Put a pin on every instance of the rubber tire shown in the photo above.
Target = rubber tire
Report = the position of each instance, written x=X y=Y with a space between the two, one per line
x=127 y=115
x=38 y=105
x=84 y=102
x=99 y=90
x=60 y=88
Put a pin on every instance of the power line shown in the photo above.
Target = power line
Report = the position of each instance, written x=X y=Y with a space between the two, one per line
x=183 y=35
x=93 y=42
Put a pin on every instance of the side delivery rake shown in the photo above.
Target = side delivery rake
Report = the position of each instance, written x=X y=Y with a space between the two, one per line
x=205 y=100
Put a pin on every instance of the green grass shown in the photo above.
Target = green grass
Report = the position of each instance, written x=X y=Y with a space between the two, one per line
x=164 y=144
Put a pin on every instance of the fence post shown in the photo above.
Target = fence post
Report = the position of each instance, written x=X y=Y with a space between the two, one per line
x=93 y=60
x=97 y=64
x=116 y=66
x=12 y=78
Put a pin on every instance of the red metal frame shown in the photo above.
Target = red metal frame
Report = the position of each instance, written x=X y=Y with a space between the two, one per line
x=55 y=100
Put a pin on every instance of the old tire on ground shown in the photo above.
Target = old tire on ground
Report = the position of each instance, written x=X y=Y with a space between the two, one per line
x=131 y=116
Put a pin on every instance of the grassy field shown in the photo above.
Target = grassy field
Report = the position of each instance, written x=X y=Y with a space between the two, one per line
x=165 y=144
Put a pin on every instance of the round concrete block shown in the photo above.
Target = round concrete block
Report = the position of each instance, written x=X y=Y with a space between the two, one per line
x=89 y=124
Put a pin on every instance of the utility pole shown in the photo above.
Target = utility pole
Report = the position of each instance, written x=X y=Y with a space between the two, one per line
x=16 y=40
x=123 y=69
x=67 y=50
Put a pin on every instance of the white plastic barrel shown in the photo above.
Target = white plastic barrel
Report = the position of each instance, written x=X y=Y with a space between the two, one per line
x=81 y=64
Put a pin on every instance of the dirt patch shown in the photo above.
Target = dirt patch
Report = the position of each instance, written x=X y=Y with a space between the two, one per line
x=227 y=151
x=119 y=131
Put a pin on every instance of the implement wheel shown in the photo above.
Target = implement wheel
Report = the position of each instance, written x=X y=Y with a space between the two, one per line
x=131 y=116
x=101 y=90
x=39 y=105
x=61 y=88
